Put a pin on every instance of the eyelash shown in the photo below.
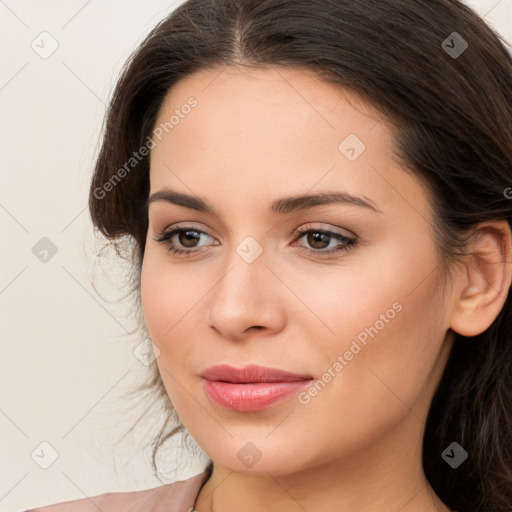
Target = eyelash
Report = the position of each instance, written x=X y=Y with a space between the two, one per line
x=348 y=243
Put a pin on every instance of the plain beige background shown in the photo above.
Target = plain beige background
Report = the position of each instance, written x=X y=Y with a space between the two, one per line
x=66 y=359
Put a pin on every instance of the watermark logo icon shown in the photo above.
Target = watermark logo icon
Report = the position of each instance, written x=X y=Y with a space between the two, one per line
x=352 y=147
x=249 y=454
x=44 y=250
x=45 y=45
x=249 y=249
x=44 y=455
x=454 y=455
x=454 y=45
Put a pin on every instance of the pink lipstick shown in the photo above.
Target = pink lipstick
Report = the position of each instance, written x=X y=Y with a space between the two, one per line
x=251 y=388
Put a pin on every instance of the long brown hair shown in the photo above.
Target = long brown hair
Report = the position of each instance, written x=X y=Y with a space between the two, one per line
x=444 y=79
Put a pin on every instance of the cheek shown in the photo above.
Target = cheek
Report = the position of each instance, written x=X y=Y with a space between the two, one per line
x=388 y=331
x=168 y=293
x=167 y=299
x=388 y=286
x=157 y=299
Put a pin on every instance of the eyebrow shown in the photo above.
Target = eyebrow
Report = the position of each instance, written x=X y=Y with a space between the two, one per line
x=280 y=206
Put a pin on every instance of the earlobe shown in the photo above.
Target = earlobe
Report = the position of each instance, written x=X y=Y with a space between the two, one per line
x=485 y=283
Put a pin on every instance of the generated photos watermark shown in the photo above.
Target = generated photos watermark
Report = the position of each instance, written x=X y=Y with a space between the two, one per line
x=305 y=397
x=143 y=151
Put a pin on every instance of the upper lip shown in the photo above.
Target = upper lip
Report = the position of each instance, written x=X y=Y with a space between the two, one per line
x=251 y=373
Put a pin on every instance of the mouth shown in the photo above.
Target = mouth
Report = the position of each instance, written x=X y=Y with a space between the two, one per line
x=252 y=388
x=251 y=374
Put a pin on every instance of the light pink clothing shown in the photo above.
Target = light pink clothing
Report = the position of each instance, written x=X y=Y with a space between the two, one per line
x=176 y=497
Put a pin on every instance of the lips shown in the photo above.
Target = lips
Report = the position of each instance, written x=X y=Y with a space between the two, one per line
x=251 y=374
x=252 y=388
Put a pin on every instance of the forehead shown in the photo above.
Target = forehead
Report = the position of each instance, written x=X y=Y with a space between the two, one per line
x=275 y=129
x=288 y=95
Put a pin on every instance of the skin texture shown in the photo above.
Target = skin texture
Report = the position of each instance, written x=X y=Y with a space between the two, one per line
x=256 y=136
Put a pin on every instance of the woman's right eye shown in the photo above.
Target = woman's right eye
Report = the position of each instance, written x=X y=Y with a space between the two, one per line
x=184 y=236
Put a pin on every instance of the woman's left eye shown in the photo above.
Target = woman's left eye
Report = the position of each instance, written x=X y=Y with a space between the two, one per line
x=317 y=238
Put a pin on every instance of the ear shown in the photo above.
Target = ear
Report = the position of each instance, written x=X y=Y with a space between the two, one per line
x=485 y=283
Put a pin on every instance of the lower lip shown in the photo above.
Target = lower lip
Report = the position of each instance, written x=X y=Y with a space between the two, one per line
x=251 y=397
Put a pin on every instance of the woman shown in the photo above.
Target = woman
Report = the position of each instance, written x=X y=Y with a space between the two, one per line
x=317 y=195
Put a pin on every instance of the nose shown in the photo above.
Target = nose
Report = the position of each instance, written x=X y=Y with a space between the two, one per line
x=248 y=298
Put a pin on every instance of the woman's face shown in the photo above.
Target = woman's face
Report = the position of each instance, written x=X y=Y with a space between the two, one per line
x=367 y=320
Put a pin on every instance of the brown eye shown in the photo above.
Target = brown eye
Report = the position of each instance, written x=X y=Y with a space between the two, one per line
x=187 y=238
x=320 y=239
x=181 y=240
